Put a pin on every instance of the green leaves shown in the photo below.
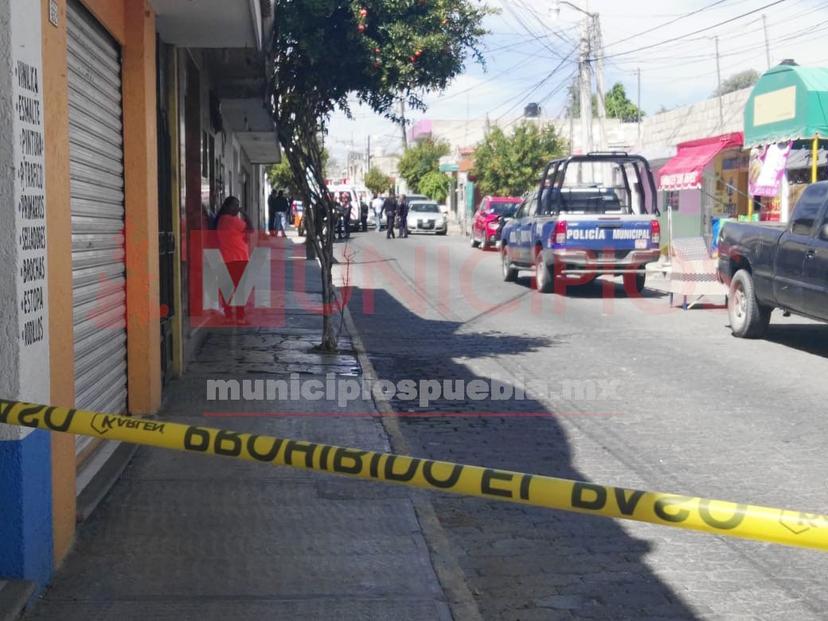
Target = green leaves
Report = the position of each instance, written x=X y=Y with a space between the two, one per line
x=619 y=107
x=435 y=185
x=616 y=104
x=420 y=159
x=327 y=50
x=511 y=165
x=377 y=181
x=280 y=176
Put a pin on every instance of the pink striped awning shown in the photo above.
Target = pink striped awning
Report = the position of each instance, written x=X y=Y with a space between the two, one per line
x=684 y=171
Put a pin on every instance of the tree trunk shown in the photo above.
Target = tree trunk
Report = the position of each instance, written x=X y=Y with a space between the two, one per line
x=304 y=155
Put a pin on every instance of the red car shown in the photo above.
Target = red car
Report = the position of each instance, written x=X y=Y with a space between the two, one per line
x=488 y=219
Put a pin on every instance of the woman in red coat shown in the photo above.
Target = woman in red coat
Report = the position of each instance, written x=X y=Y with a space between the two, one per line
x=232 y=228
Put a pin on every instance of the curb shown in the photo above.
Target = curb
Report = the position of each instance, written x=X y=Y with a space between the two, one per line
x=451 y=577
x=14 y=597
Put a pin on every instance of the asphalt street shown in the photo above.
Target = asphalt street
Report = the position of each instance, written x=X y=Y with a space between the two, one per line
x=636 y=394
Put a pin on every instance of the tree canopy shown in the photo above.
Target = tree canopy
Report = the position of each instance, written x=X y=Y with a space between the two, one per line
x=616 y=104
x=509 y=165
x=421 y=158
x=738 y=81
x=280 y=176
x=326 y=53
x=435 y=185
x=377 y=181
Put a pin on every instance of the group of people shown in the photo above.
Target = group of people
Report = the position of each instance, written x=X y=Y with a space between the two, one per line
x=343 y=213
x=233 y=227
x=278 y=209
x=395 y=211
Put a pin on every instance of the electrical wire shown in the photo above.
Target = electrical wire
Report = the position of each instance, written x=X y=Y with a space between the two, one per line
x=695 y=32
x=542 y=40
x=562 y=84
x=662 y=25
x=529 y=92
x=674 y=61
x=817 y=28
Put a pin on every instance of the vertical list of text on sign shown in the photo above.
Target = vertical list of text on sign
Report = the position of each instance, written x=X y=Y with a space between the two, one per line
x=30 y=202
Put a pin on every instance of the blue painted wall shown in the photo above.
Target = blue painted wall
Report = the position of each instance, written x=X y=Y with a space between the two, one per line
x=26 y=508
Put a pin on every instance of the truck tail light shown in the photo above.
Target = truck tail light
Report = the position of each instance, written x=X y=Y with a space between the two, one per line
x=559 y=234
x=655 y=232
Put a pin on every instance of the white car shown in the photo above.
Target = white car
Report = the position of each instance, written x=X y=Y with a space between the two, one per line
x=426 y=217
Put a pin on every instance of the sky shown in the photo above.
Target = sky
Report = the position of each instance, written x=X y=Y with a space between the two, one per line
x=672 y=43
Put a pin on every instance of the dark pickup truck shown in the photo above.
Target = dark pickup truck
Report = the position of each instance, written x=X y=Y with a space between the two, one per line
x=781 y=266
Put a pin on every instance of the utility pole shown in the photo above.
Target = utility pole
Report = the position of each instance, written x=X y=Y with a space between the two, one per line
x=767 y=41
x=598 y=51
x=638 y=102
x=585 y=86
x=719 y=81
x=368 y=154
x=402 y=124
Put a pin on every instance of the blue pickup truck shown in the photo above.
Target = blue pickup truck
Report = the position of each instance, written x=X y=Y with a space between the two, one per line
x=782 y=266
x=593 y=214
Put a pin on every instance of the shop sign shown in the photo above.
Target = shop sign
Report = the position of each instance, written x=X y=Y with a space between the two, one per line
x=774 y=107
x=681 y=181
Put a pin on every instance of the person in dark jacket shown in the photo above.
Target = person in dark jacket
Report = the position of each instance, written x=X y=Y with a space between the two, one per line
x=363 y=215
x=402 y=220
x=278 y=206
x=390 y=209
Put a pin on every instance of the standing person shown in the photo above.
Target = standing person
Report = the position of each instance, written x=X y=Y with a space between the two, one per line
x=231 y=231
x=402 y=213
x=338 y=218
x=279 y=208
x=390 y=209
x=347 y=209
x=363 y=214
x=271 y=212
x=376 y=205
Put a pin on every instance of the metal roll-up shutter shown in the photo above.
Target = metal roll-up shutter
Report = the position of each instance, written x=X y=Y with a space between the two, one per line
x=96 y=161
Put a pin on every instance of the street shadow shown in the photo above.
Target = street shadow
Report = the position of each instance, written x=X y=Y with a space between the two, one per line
x=808 y=338
x=596 y=289
x=519 y=562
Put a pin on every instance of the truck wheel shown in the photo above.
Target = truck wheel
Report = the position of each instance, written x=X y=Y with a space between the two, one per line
x=509 y=273
x=474 y=242
x=544 y=282
x=748 y=318
x=484 y=245
x=634 y=283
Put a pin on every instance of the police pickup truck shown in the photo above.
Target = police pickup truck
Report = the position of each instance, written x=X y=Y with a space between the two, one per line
x=777 y=266
x=593 y=214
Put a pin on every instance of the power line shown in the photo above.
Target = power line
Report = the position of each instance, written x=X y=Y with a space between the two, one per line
x=529 y=92
x=442 y=98
x=674 y=61
x=662 y=25
x=530 y=32
x=560 y=35
x=557 y=89
x=816 y=28
x=695 y=32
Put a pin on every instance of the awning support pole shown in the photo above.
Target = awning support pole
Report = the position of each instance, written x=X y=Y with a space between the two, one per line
x=814 y=156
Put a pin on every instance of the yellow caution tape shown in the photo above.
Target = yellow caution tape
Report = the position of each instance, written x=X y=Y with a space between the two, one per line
x=794 y=528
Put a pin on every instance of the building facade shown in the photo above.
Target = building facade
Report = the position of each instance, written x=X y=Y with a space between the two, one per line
x=125 y=124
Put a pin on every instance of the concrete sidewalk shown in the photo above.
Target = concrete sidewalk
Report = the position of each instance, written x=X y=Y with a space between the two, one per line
x=182 y=536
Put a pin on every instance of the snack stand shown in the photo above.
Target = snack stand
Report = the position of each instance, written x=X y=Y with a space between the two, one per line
x=786 y=111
